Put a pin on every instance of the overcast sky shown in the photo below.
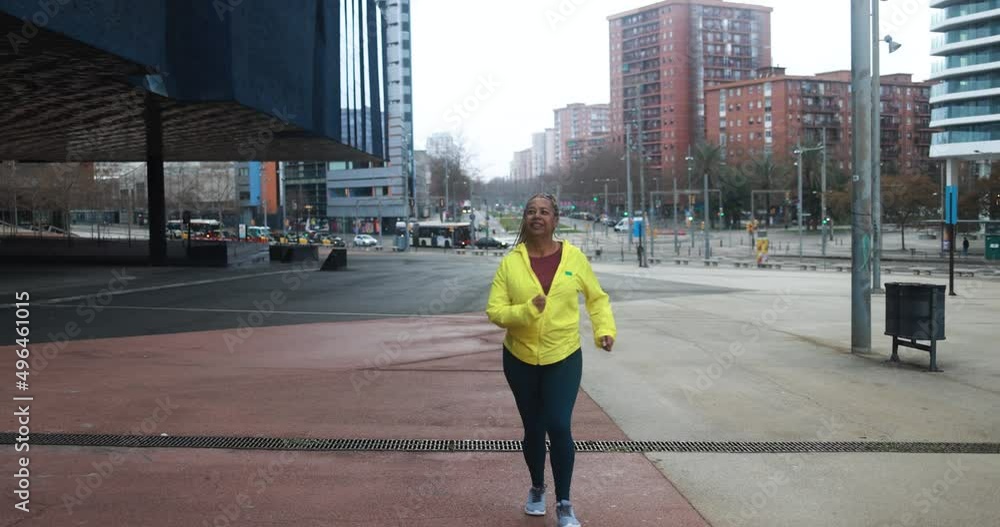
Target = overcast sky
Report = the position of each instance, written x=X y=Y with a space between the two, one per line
x=494 y=71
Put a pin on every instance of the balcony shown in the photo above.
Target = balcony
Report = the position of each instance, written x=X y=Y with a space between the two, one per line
x=961 y=15
x=820 y=108
x=941 y=4
x=943 y=46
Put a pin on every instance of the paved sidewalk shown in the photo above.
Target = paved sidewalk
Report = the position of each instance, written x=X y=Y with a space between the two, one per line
x=772 y=362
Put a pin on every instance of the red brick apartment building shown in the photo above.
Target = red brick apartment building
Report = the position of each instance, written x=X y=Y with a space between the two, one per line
x=580 y=129
x=663 y=58
x=772 y=113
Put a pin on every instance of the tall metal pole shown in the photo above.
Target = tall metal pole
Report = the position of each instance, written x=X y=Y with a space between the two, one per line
x=876 y=153
x=708 y=223
x=799 y=199
x=447 y=202
x=822 y=197
x=861 y=207
x=606 y=199
x=407 y=171
x=646 y=222
x=677 y=247
x=628 y=182
x=379 y=203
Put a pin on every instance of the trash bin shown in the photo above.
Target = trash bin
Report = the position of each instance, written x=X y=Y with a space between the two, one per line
x=915 y=311
x=993 y=246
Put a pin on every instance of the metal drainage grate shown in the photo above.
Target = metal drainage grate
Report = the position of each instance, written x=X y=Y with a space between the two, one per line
x=477 y=445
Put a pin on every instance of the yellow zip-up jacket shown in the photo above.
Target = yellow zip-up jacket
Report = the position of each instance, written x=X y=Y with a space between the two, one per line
x=554 y=334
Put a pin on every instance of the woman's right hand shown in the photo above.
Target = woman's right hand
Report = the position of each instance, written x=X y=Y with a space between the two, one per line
x=539 y=302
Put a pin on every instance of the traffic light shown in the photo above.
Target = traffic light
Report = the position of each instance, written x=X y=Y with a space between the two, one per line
x=595 y=199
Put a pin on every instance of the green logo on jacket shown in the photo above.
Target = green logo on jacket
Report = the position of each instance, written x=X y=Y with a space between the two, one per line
x=569 y=273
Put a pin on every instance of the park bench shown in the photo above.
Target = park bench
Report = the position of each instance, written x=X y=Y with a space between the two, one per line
x=681 y=261
x=460 y=251
x=971 y=273
x=841 y=267
x=921 y=270
x=807 y=267
x=711 y=262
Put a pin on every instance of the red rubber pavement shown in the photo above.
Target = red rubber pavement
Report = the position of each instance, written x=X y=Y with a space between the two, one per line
x=328 y=380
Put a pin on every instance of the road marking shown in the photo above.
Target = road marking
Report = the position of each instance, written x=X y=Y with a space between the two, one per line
x=276 y=312
x=161 y=287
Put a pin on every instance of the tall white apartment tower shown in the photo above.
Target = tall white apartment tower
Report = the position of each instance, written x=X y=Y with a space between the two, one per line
x=965 y=106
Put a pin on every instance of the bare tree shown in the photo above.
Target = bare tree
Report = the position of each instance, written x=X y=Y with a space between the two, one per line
x=906 y=199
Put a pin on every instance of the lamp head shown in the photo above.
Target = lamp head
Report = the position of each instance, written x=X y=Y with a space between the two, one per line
x=893 y=45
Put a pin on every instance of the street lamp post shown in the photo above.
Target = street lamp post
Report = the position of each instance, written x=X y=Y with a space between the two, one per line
x=446 y=200
x=708 y=224
x=677 y=247
x=822 y=196
x=877 y=146
x=798 y=153
x=861 y=207
x=628 y=181
x=690 y=167
x=379 y=220
x=646 y=223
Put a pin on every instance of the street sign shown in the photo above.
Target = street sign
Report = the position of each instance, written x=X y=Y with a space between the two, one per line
x=951 y=205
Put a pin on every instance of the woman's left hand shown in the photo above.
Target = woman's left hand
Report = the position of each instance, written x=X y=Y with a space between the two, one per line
x=607 y=342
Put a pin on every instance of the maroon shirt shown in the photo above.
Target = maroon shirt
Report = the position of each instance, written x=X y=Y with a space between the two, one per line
x=545 y=268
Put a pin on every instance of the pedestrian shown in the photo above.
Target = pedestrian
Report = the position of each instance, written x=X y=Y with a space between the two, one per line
x=965 y=246
x=535 y=298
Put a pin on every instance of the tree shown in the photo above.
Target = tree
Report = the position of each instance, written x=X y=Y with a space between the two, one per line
x=456 y=162
x=906 y=199
x=766 y=174
x=584 y=179
x=707 y=160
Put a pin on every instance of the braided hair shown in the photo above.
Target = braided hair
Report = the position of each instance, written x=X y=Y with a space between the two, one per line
x=524 y=214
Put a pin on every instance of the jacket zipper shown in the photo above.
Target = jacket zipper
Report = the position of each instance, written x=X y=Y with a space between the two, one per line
x=541 y=323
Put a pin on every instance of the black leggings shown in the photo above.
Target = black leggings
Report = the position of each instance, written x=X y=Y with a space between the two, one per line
x=545 y=396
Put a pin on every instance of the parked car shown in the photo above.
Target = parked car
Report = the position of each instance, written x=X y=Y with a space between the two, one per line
x=490 y=243
x=365 y=240
x=623 y=225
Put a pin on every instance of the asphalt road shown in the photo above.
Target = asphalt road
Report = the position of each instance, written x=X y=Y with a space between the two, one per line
x=72 y=303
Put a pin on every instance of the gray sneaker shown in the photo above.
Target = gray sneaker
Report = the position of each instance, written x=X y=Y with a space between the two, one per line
x=536 y=502
x=564 y=512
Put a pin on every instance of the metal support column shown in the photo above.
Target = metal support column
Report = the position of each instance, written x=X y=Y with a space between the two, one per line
x=156 y=195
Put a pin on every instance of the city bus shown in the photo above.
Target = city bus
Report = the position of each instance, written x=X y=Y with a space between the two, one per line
x=200 y=229
x=443 y=234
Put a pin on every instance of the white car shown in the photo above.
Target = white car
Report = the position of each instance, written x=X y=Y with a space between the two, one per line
x=364 y=240
x=623 y=225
